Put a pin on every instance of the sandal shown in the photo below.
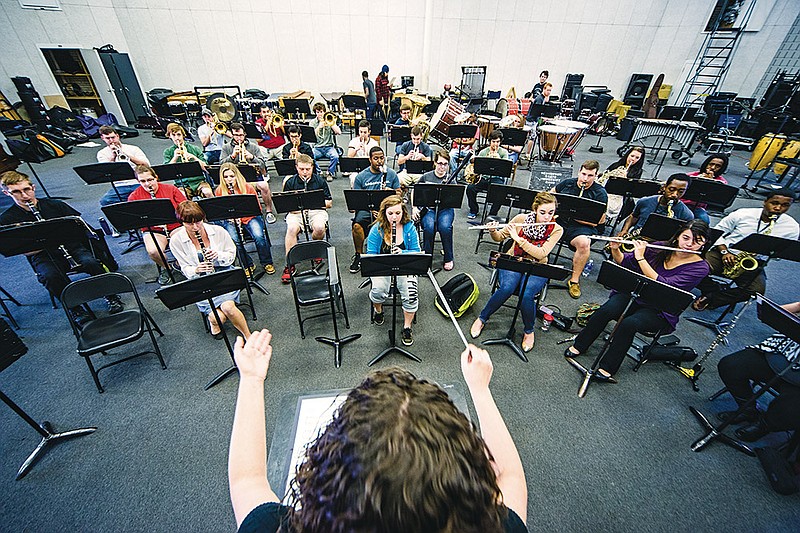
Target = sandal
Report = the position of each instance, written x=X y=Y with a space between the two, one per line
x=700 y=304
x=525 y=346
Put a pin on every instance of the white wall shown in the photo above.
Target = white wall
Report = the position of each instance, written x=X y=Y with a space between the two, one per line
x=323 y=45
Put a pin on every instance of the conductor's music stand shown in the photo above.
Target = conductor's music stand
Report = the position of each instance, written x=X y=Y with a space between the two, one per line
x=527 y=269
x=248 y=171
x=144 y=214
x=10 y=351
x=408 y=264
x=781 y=321
x=235 y=207
x=666 y=298
x=286 y=202
x=178 y=172
x=206 y=287
x=353 y=165
x=438 y=196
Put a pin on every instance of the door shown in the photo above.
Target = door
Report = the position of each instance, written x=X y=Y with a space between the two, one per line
x=129 y=93
x=104 y=89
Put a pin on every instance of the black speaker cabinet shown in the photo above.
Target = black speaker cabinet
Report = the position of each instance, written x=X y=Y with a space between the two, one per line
x=572 y=80
x=637 y=89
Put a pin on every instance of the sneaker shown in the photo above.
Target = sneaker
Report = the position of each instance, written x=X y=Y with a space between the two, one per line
x=286 y=277
x=269 y=269
x=163 y=277
x=329 y=177
x=378 y=318
x=271 y=218
x=115 y=305
x=250 y=270
x=408 y=338
x=574 y=289
x=472 y=216
x=355 y=264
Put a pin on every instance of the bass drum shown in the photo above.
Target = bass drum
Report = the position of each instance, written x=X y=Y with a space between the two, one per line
x=444 y=117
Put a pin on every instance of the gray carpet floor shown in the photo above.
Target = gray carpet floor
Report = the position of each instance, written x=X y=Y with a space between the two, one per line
x=617 y=460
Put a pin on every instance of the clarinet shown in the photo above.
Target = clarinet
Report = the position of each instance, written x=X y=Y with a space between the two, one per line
x=383 y=177
x=394 y=237
x=238 y=221
x=153 y=197
x=61 y=248
x=201 y=254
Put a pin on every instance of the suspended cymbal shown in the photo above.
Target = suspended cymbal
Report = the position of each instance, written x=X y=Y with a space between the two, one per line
x=223 y=106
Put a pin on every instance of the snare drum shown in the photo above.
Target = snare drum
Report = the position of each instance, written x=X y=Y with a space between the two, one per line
x=444 y=117
x=553 y=140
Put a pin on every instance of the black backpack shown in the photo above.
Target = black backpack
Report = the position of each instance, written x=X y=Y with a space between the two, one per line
x=461 y=292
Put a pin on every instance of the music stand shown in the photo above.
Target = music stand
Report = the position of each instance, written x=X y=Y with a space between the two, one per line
x=144 y=214
x=462 y=131
x=366 y=199
x=12 y=352
x=248 y=171
x=628 y=189
x=354 y=101
x=575 y=208
x=513 y=136
x=178 y=172
x=307 y=134
x=399 y=134
x=286 y=202
x=612 y=276
x=438 y=196
x=493 y=166
x=353 y=165
x=296 y=106
x=251 y=131
x=408 y=264
x=781 y=321
x=235 y=207
x=286 y=167
x=711 y=192
x=206 y=287
x=527 y=269
x=660 y=227
x=418 y=167
x=110 y=173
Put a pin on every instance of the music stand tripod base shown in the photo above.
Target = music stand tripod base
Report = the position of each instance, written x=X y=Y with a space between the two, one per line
x=715 y=434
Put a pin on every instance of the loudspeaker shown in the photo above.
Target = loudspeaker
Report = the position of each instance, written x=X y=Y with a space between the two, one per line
x=572 y=80
x=602 y=102
x=637 y=89
x=625 y=129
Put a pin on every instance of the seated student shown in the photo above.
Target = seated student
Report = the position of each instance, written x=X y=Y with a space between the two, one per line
x=296 y=145
x=760 y=363
x=232 y=182
x=200 y=249
x=211 y=140
x=403 y=120
x=443 y=222
x=149 y=187
x=361 y=145
x=667 y=203
x=712 y=169
x=305 y=180
x=50 y=265
x=117 y=152
x=325 y=146
x=629 y=166
x=183 y=152
x=493 y=150
x=272 y=138
x=397 y=456
x=375 y=177
x=242 y=151
x=461 y=148
x=682 y=270
x=531 y=242
x=393 y=219
x=413 y=150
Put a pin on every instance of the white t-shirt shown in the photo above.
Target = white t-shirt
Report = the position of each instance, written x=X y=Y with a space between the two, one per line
x=361 y=149
x=106 y=155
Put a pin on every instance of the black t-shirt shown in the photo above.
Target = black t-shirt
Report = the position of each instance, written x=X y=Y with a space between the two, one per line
x=47 y=208
x=317 y=182
x=304 y=148
x=595 y=192
x=268 y=518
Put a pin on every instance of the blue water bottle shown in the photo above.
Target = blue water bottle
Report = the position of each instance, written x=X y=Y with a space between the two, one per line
x=588 y=268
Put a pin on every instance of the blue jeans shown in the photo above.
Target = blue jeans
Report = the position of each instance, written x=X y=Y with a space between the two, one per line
x=328 y=152
x=701 y=213
x=371 y=110
x=258 y=231
x=509 y=282
x=444 y=225
x=456 y=156
x=110 y=197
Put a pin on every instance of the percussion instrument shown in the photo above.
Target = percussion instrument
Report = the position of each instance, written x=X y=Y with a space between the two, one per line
x=668 y=135
x=445 y=117
x=790 y=151
x=486 y=125
x=554 y=140
x=519 y=106
x=766 y=150
x=501 y=107
x=581 y=128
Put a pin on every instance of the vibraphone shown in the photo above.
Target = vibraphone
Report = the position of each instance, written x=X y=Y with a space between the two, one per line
x=657 y=135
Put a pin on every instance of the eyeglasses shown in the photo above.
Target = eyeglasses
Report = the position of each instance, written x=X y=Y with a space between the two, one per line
x=18 y=192
x=441 y=163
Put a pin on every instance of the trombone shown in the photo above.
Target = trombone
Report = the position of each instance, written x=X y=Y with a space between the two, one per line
x=630 y=244
x=329 y=119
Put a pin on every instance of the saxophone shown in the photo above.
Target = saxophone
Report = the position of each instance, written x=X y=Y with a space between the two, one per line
x=670 y=213
x=469 y=173
x=746 y=261
x=619 y=172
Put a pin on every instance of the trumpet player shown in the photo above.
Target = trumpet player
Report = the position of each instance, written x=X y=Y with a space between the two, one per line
x=115 y=152
x=201 y=248
x=482 y=184
x=183 y=152
x=667 y=203
x=49 y=265
x=211 y=140
x=769 y=219
x=360 y=146
x=241 y=151
x=326 y=140
x=272 y=135
x=415 y=150
x=296 y=146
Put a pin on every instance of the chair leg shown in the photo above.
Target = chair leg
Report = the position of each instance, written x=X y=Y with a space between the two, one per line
x=53 y=302
x=156 y=347
x=717 y=394
x=149 y=318
x=299 y=320
x=94 y=375
x=344 y=309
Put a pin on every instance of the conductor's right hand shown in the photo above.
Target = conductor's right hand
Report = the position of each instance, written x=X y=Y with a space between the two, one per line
x=476 y=367
x=252 y=357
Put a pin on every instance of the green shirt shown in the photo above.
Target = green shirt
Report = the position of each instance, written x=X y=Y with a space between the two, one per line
x=324 y=135
x=196 y=151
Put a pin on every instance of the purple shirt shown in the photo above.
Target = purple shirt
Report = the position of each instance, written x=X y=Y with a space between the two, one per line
x=685 y=276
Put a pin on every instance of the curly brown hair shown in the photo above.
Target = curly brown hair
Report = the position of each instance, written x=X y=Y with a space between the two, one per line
x=397 y=456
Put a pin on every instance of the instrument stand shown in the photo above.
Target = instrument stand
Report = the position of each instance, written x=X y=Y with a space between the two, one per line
x=438 y=196
x=235 y=207
x=206 y=287
x=408 y=264
x=612 y=276
x=336 y=341
x=783 y=322
x=110 y=173
x=144 y=213
x=527 y=269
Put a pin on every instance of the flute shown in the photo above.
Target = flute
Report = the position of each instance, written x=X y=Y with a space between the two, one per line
x=656 y=246
x=512 y=224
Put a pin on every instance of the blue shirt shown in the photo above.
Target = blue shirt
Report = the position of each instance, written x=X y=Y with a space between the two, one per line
x=369 y=181
x=649 y=205
x=369 y=88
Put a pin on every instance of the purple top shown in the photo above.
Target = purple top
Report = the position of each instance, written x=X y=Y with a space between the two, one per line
x=685 y=276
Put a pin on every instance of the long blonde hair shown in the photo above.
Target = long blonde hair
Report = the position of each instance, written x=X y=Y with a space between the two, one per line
x=240 y=185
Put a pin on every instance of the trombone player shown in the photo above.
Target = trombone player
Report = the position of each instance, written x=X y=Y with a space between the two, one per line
x=326 y=130
x=272 y=140
x=183 y=152
x=212 y=136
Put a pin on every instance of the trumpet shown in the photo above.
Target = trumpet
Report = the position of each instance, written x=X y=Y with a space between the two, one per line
x=220 y=128
x=119 y=155
x=630 y=244
x=240 y=152
x=295 y=149
x=61 y=248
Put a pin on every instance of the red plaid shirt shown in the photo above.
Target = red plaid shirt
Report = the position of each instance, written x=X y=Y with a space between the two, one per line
x=382 y=89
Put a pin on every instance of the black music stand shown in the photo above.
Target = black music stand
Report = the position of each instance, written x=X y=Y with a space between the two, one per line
x=513 y=137
x=408 y=264
x=438 y=196
x=399 y=134
x=493 y=166
x=781 y=321
x=11 y=352
x=353 y=165
x=307 y=133
x=235 y=207
x=296 y=106
x=629 y=189
x=336 y=341
x=462 y=131
x=711 y=192
x=178 y=172
x=286 y=202
x=574 y=208
x=612 y=276
x=206 y=287
x=418 y=167
x=248 y=171
x=251 y=131
x=527 y=269
x=366 y=199
x=660 y=227
x=286 y=167
x=143 y=214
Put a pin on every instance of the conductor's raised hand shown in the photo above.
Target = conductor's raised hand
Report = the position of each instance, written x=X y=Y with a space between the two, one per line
x=252 y=357
x=476 y=367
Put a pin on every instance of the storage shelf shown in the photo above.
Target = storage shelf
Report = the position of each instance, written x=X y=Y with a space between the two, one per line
x=82 y=98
